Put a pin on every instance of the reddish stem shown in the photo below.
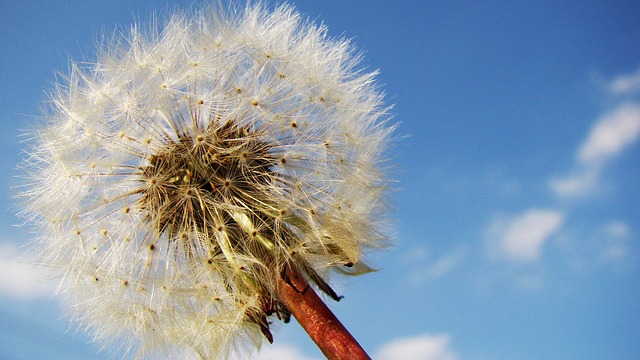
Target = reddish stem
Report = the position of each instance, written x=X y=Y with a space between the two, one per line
x=324 y=328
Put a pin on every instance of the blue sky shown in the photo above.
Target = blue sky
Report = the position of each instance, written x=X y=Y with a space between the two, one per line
x=517 y=164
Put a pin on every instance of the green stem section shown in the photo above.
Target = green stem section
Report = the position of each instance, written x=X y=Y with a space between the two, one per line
x=324 y=328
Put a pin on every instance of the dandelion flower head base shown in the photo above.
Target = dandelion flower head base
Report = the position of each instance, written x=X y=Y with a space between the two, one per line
x=205 y=193
x=178 y=176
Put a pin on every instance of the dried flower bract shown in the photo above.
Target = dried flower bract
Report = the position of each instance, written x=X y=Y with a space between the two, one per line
x=179 y=174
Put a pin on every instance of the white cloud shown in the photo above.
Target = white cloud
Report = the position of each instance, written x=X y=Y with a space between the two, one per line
x=19 y=279
x=422 y=347
x=522 y=237
x=626 y=84
x=281 y=352
x=611 y=134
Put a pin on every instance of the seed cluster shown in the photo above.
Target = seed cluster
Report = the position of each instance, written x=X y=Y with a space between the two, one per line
x=190 y=181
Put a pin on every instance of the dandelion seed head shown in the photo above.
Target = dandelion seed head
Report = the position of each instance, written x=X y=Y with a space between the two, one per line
x=179 y=174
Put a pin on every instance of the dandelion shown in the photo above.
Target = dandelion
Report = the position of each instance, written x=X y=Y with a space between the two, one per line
x=189 y=184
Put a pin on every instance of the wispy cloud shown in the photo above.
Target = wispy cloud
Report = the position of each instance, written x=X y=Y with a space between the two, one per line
x=521 y=238
x=438 y=268
x=601 y=246
x=618 y=229
x=610 y=135
x=18 y=279
x=422 y=347
x=616 y=248
x=578 y=183
x=625 y=84
x=445 y=264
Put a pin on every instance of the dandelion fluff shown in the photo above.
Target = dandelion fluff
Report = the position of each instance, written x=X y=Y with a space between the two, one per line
x=177 y=175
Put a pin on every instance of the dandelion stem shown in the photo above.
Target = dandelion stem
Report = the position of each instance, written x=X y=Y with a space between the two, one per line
x=324 y=328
